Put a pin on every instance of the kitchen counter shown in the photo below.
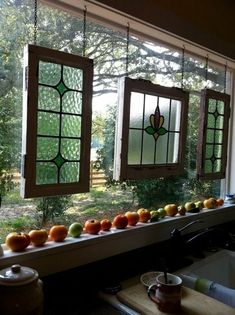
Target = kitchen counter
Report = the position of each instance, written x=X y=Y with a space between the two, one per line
x=193 y=303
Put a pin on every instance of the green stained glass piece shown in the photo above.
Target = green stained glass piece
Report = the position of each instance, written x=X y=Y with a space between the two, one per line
x=150 y=130
x=48 y=124
x=218 y=151
x=49 y=73
x=46 y=173
x=48 y=98
x=218 y=136
x=161 y=131
x=61 y=88
x=70 y=149
x=59 y=160
x=71 y=126
x=217 y=165
x=70 y=172
x=213 y=159
x=47 y=148
x=219 y=122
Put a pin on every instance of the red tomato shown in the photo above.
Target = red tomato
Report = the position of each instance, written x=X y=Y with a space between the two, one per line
x=133 y=217
x=38 y=237
x=106 y=225
x=58 y=233
x=92 y=226
x=120 y=221
x=17 y=241
x=144 y=214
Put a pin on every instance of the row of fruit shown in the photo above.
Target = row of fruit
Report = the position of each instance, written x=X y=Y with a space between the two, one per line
x=57 y=233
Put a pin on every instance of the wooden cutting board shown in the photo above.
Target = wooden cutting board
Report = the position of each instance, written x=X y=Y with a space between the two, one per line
x=193 y=302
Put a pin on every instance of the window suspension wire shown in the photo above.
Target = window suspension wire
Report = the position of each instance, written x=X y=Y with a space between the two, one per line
x=35 y=32
x=127 y=48
x=206 y=71
x=84 y=31
x=225 y=76
x=182 y=67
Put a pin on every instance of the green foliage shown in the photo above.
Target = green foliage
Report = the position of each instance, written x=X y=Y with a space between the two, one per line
x=50 y=208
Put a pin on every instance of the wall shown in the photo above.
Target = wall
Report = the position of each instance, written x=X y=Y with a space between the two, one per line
x=209 y=23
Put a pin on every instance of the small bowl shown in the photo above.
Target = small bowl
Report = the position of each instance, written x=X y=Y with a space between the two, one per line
x=149 y=278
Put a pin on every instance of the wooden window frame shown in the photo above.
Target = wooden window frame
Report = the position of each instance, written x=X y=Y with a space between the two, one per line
x=124 y=171
x=33 y=55
x=206 y=95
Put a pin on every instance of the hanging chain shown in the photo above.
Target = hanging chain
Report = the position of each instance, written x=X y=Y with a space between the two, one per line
x=225 y=76
x=35 y=32
x=127 y=47
x=206 y=70
x=182 y=67
x=84 y=32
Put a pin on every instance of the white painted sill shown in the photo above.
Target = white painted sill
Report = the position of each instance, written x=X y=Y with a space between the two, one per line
x=55 y=257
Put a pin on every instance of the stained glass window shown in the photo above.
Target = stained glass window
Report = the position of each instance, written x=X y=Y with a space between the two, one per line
x=213 y=135
x=151 y=135
x=56 y=122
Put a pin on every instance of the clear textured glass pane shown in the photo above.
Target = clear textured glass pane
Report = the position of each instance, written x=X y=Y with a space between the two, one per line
x=134 y=147
x=49 y=73
x=136 y=110
x=69 y=172
x=218 y=136
x=211 y=121
x=150 y=106
x=209 y=151
x=219 y=122
x=218 y=151
x=208 y=166
x=164 y=106
x=47 y=148
x=175 y=115
x=220 y=107
x=73 y=78
x=71 y=126
x=211 y=105
x=173 y=148
x=48 y=99
x=48 y=124
x=217 y=165
x=70 y=149
x=46 y=173
x=161 y=150
x=72 y=102
x=210 y=136
x=148 y=149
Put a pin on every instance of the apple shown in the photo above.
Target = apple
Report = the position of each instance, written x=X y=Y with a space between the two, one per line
x=154 y=215
x=162 y=212
x=106 y=224
x=181 y=210
x=120 y=221
x=189 y=206
x=132 y=217
x=38 y=237
x=92 y=226
x=75 y=229
x=144 y=214
x=17 y=242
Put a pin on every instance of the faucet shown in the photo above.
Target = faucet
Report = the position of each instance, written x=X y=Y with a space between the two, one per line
x=176 y=233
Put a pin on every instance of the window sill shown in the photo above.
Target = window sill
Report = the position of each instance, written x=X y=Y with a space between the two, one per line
x=55 y=257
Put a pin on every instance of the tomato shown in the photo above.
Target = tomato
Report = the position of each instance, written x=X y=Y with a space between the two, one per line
x=92 y=226
x=120 y=221
x=17 y=241
x=144 y=214
x=171 y=209
x=38 y=237
x=132 y=217
x=106 y=225
x=58 y=233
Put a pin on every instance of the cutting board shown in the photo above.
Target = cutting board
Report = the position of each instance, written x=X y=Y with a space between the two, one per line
x=193 y=302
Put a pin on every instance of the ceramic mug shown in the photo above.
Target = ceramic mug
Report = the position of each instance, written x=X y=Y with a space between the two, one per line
x=167 y=296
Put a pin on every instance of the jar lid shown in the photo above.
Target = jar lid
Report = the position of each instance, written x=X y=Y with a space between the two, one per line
x=17 y=275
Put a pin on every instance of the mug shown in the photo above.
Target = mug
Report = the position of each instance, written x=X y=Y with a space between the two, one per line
x=167 y=296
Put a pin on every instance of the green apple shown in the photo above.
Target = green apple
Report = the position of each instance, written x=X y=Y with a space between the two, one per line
x=162 y=212
x=75 y=229
x=199 y=204
x=189 y=206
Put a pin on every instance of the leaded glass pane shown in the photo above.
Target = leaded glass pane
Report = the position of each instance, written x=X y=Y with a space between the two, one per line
x=48 y=98
x=218 y=151
x=208 y=166
x=136 y=110
x=47 y=148
x=71 y=126
x=72 y=102
x=148 y=152
x=46 y=173
x=212 y=106
x=209 y=151
x=217 y=165
x=220 y=107
x=134 y=152
x=211 y=121
x=73 y=78
x=173 y=147
x=69 y=172
x=49 y=73
x=48 y=124
x=161 y=150
x=210 y=136
x=219 y=122
x=218 y=136
x=70 y=149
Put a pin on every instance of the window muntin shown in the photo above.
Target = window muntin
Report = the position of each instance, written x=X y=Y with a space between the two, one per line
x=150 y=141
x=213 y=134
x=58 y=116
